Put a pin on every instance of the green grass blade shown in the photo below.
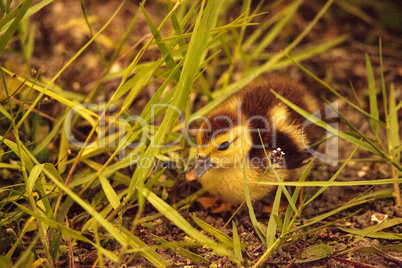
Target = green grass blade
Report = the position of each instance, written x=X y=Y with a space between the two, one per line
x=319 y=192
x=237 y=244
x=33 y=176
x=25 y=157
x=175 y=23
x=196 y=52
x=196 y=259
x=45 y=199
x=295 y=197
x=136 y=84
x=26 y=259
x=356 y=11
x=308 y=52
x=158 y=39
x=383 y=88
x=6 y=21
x=147 y=114
x=144 y=249
x=98 y=48
x=352 y=203
x=292 y=204
x=233 y=88
x=249 y=204
x=10 y=166
x=374 y=231
x=149 y=254
x=28 y=45
x=263 y=27
x=22 y=10
x=5 y=113
x=332 y=183
x=5 y=261
x=271 y=229
x=85 y=113
x=329 y=128
x=276 y=30
x=8 y=18
x=62 y=156
x=69 y=62
x=393 y=119
x=221 y=236
x=333 y=91
x=180 y=222
x=67 y=231
x=45 y=142
x=372 y=91
x=109 y=192
x=189 y=14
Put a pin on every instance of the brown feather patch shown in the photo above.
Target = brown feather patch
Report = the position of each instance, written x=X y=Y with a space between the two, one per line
x=217 y=124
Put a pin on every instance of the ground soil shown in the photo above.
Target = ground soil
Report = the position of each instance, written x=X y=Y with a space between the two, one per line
x=56 y=43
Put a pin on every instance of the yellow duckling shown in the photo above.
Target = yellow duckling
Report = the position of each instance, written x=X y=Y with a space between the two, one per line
x=229 y=140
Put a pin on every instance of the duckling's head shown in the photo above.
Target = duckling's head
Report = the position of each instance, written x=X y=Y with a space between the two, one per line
x=223 y=141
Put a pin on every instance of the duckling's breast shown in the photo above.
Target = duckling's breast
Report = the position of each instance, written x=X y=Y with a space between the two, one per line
x=228 y=183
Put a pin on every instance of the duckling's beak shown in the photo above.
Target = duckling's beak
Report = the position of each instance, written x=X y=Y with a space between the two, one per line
x=202 y=165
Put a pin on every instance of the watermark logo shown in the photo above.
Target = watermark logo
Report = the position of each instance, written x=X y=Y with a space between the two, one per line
x=129 y=135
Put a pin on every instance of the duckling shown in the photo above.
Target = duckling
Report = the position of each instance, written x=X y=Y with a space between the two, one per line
x=247 y=132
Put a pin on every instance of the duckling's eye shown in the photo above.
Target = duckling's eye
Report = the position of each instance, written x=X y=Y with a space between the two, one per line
x=223 y=146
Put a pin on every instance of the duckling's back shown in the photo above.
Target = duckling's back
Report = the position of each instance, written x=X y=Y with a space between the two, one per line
x=278 y=125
